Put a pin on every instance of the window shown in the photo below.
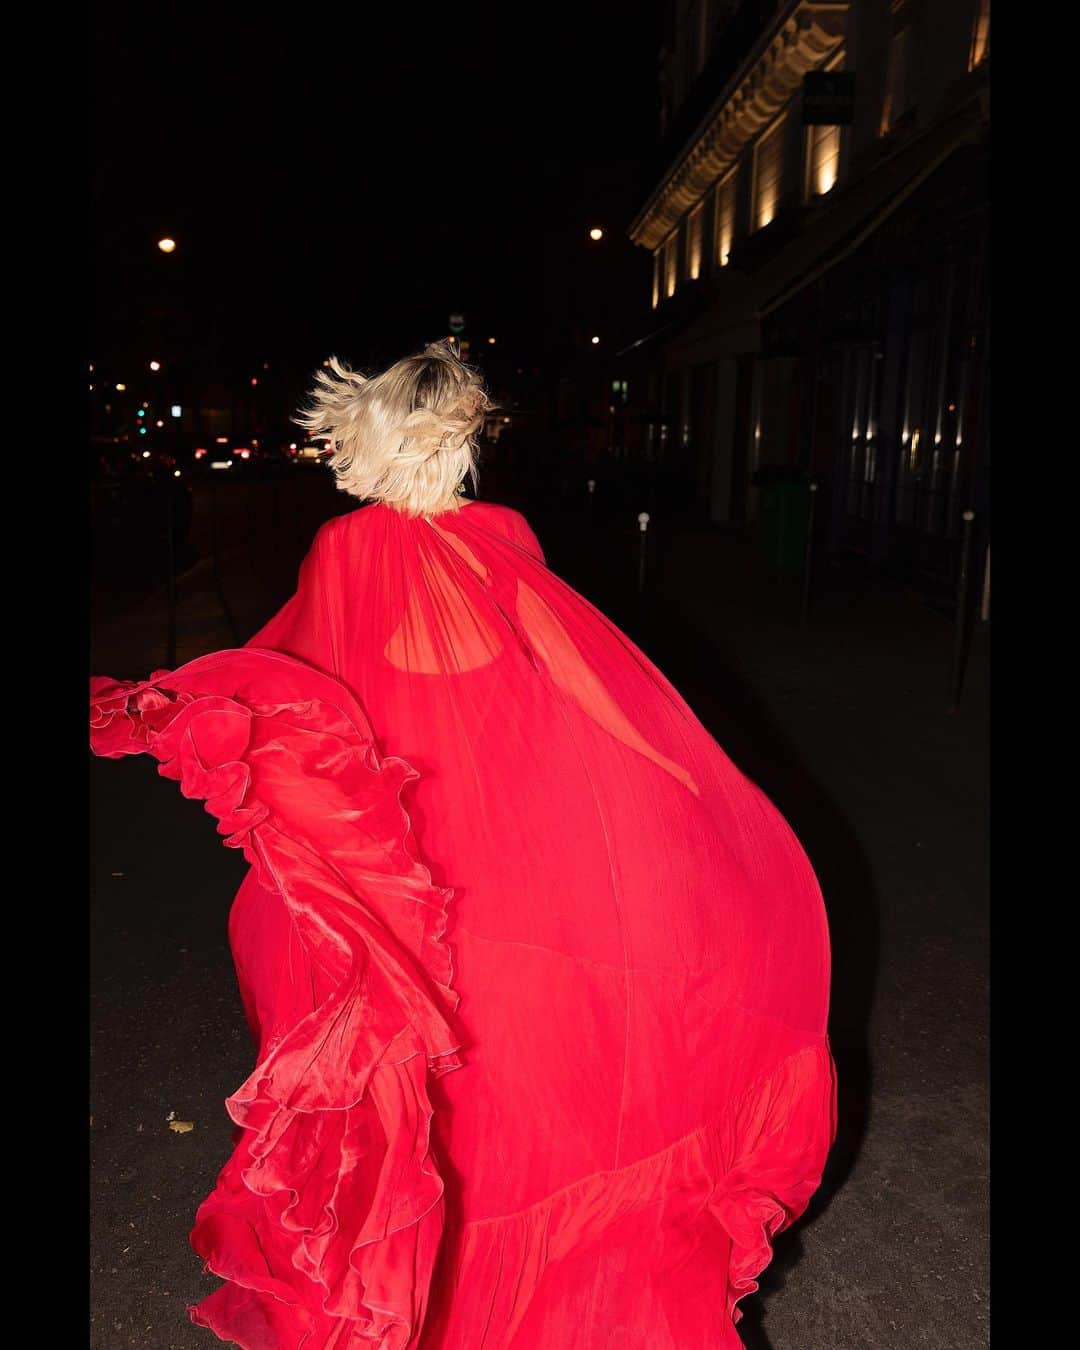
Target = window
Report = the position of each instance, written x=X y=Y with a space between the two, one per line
x=980 y=36
x=725 y=219
x=657 y=270
x=823 y=150
x=822 y=160
x=671 y=263
x=693 y=243
x=768 y=173
x=896 y=85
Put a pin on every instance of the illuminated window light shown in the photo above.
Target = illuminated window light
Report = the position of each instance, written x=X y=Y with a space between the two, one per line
x=824 y=159
x=768 y=170
x=176 y=410
x=725 y=219
x=693 y=243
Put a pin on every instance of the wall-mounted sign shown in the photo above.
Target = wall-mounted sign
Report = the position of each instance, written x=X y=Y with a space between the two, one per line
x=828 y=98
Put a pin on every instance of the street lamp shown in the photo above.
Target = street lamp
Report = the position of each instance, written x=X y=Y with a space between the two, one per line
x=155 y=365
x=167 y=245
x=596 y=234
x=594 y=340
x=491 y=342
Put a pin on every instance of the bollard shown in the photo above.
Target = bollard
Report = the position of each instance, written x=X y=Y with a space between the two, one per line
x=808 y=559
x=170 y=581
x=956 y=676
x=984 y=608
x=643 y=527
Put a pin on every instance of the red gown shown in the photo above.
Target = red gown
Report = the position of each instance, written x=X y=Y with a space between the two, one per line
x=539 y=980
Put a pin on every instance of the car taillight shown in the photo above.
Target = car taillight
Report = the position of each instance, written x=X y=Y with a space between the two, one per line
x=244 y=454
x=200 y=453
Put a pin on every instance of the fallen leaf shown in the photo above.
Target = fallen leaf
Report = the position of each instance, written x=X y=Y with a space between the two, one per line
x=181 y=1126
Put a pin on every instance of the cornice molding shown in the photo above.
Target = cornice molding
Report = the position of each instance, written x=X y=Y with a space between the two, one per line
x=803 y=37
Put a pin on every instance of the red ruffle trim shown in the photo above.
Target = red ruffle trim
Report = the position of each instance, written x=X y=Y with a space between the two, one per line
x=327 y=1220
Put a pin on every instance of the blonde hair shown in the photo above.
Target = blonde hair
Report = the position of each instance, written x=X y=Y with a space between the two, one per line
x=405 y=437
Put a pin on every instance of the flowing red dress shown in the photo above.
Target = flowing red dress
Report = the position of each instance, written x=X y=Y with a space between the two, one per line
x=538 y=978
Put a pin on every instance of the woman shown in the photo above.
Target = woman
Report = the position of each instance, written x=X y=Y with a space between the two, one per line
x=538 y=979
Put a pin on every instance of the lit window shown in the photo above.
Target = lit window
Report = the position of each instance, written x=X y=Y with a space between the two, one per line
x=725 y=219
x=768 y=170
x=657 y=267
x=693 y=243
x=670 y=263
x=823 y=159
x=896 y=87
x=980 y=37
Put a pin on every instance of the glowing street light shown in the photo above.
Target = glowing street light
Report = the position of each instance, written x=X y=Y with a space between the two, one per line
x=167 y=245
x=491 y=342
x=155 y=365
x=594 y=340
x=121 y=388
x=596 y=234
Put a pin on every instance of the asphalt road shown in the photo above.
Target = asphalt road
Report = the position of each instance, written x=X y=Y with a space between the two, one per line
x=843 y=724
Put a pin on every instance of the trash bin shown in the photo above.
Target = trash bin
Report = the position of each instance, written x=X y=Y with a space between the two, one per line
x=783 y=515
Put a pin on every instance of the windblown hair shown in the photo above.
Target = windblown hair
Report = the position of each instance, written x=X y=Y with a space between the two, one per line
x=405 y=437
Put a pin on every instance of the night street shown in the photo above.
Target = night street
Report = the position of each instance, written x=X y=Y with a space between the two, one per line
x=701 y=290
x=843 y=724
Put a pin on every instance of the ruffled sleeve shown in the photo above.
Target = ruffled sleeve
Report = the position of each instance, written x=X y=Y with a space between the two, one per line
x=327 y=1220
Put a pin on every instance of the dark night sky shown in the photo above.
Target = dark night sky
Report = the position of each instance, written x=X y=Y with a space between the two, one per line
x=341 y=182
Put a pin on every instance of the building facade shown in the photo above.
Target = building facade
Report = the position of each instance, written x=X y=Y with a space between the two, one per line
x=820 y=290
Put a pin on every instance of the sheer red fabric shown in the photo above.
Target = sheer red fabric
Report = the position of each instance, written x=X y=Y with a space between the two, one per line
x=538 y=978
